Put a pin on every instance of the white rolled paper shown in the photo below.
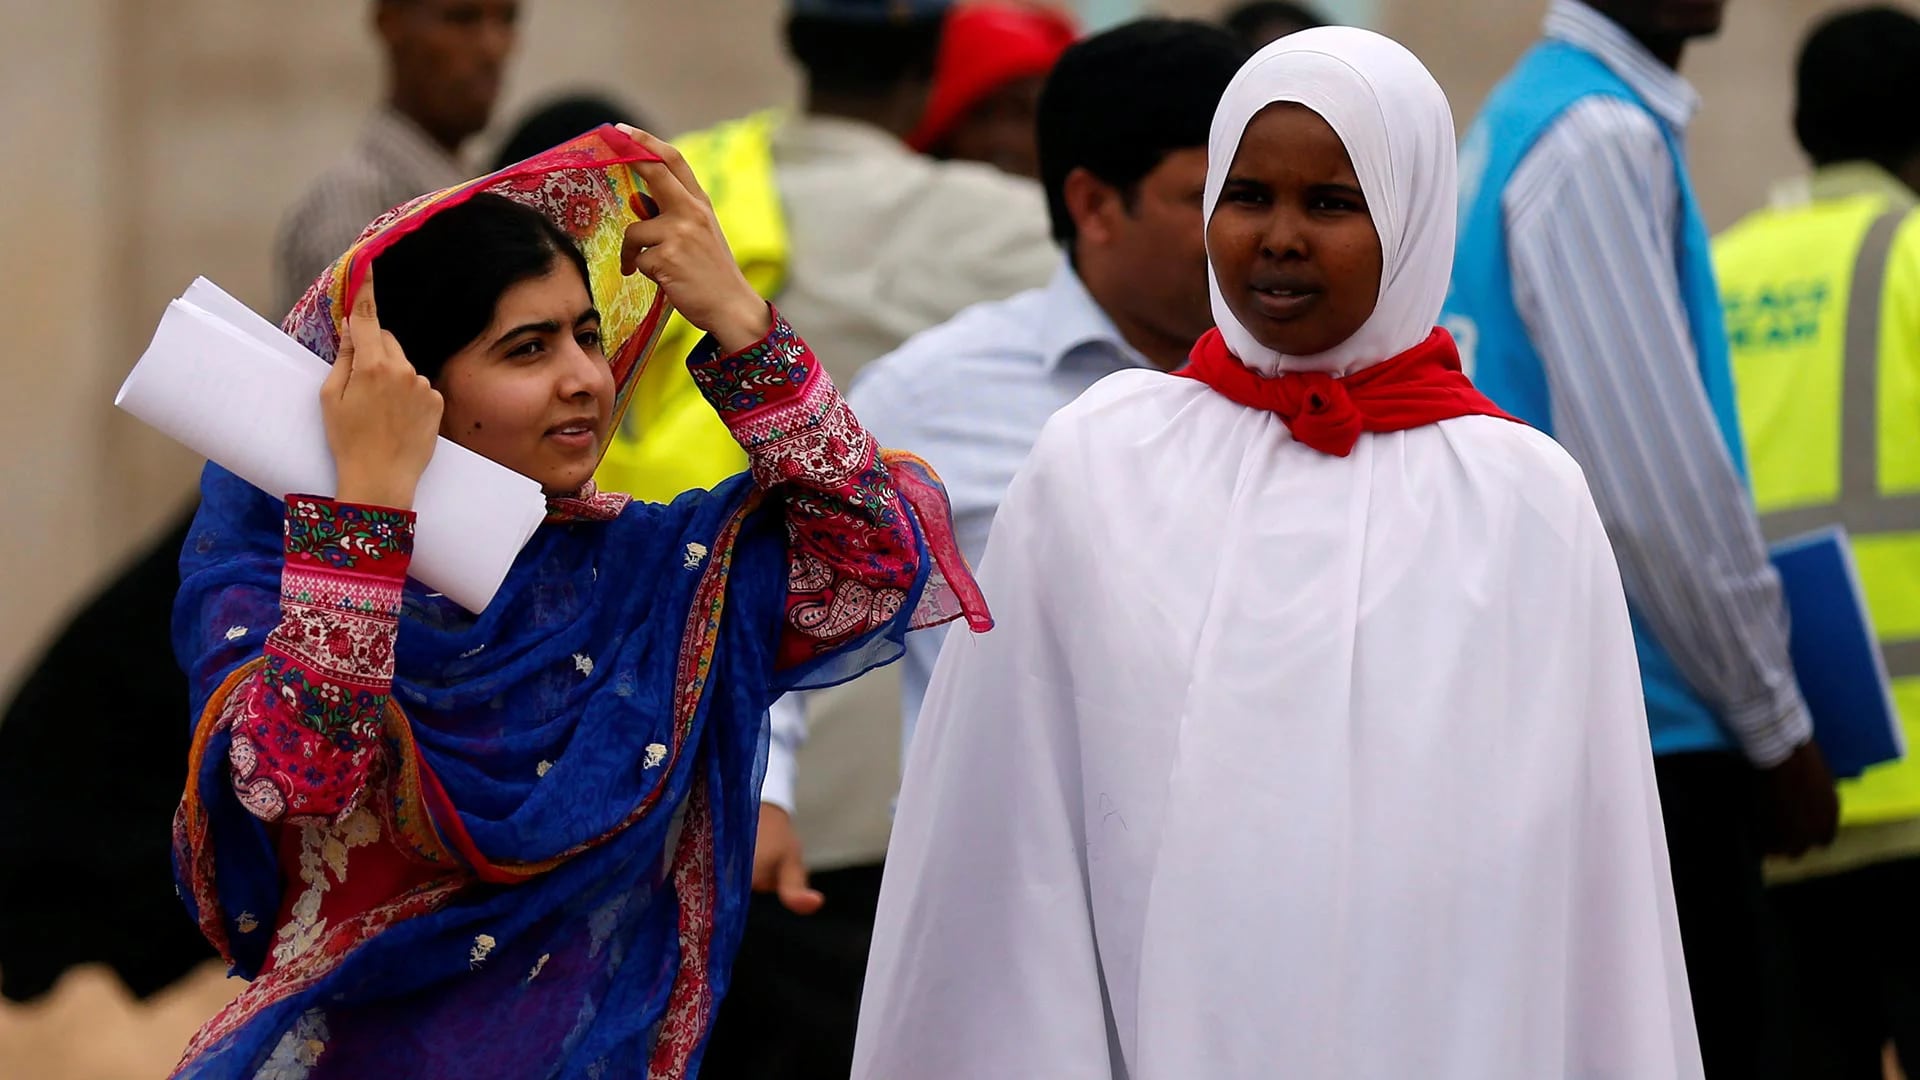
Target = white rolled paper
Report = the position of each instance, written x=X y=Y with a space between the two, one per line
x=230 y=386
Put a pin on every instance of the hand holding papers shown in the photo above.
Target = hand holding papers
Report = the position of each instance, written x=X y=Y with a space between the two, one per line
x=229 y=385
x=382 y=416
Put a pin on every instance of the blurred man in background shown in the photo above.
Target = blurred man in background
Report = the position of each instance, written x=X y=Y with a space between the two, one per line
x=444 y=64
x=1822 y=294
x=1123 y=153
x=1585 y=303
x=994 y=57
x=1263 y=22
x=557 y=120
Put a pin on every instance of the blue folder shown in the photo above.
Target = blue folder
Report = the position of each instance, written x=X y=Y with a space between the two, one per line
x=1835 y=655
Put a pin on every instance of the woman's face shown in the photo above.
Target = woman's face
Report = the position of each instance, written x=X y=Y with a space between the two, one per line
x=1290 y=240
x=534 y=392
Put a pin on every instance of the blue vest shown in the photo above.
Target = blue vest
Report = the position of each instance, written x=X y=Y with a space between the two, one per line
x=1501 y=358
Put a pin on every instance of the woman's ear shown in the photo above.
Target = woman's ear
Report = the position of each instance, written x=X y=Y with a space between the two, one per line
x=449 y=399
x=1094 y=205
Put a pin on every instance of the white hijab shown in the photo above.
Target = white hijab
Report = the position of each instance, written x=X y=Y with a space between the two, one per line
x=1285 y=764
x=1398 y=130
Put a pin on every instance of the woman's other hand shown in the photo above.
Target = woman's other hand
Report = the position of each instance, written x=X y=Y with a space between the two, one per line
x=382 y=416
x=778 y=865
x=684 y=251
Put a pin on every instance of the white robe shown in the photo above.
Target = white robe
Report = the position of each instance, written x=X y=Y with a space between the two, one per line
x=1282 y=765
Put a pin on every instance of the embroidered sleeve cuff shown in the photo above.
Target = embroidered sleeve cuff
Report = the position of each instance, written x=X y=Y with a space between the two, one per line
x=323 y=534
x=1771 y=728
x=330 y=661
x=774 y=370
x=282 y=764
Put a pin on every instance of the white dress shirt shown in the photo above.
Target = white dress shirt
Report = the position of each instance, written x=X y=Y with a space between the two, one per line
x=882 y=243
x=970 y=396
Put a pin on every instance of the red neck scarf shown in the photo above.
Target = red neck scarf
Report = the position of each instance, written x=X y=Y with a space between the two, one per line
x=1421 y=386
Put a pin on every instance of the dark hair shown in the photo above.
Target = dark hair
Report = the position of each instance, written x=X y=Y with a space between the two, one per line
x=1119 y=102
x=557 y=121
x=438 y=285
x=1252 y=21
x=1857 y=92
x=862 y=57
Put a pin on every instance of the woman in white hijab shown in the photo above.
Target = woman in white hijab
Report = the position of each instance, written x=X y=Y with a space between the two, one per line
x=1310 y=743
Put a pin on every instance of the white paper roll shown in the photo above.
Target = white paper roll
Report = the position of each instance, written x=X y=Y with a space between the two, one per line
x=232 y=387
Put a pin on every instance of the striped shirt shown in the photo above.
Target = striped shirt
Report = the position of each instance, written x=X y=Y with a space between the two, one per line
x=393 y=161
x=1592 y=216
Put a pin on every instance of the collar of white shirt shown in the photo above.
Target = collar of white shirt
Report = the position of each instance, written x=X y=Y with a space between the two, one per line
x=1076 y=324
x=1665 y=92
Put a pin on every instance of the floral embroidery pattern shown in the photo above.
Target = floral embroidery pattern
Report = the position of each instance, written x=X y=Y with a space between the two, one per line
x=287 y=979
x=344 y=535
x=317 y=710
x=237 y=708
x=261 y=796
x=347 y=717
x=280 y=767
x=690 y=1002
x=313 y=773
x=374 y=596
x=323 y=861
x=847 y=527
x=587 y=504
x=778 y=366
x=482 y=945
x=849 y=611
x=820 y=444
x=298 y=1051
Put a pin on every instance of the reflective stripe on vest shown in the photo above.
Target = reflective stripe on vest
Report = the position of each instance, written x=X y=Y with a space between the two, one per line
x=1860 y=506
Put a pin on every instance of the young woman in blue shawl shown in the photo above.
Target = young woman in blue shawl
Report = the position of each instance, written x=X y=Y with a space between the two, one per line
x=518 y=843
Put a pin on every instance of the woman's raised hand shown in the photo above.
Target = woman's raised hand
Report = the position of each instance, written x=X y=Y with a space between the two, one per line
x=382 y=416
x=684 y=251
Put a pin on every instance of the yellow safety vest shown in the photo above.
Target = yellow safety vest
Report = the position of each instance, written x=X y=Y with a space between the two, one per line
x=671 y=441
x=1822 y=303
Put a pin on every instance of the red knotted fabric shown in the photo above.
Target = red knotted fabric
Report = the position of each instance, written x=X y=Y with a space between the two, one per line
x=1421 y=386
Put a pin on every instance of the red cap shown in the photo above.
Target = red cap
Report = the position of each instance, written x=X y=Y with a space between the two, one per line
x=983 y=47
